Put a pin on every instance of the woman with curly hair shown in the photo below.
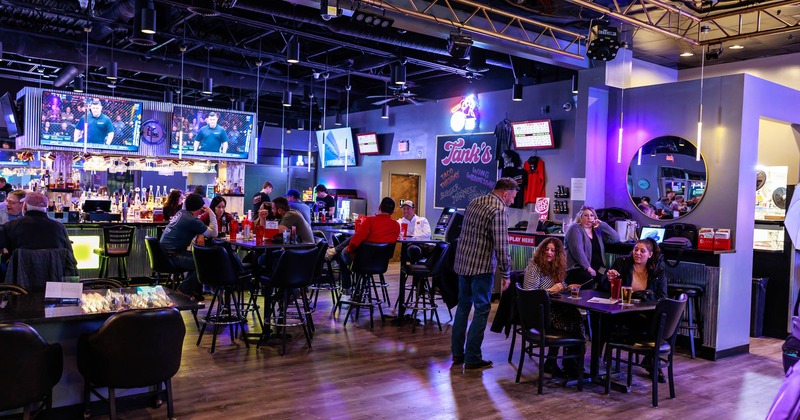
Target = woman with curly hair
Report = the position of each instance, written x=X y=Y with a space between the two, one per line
x=173 y=204
x=547 y=270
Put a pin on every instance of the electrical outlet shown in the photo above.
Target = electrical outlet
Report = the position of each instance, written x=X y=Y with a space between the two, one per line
x=419 y=154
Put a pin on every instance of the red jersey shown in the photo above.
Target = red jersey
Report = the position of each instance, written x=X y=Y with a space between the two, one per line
x=536 y=178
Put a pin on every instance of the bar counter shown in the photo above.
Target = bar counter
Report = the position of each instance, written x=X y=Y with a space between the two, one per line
x=684 y=266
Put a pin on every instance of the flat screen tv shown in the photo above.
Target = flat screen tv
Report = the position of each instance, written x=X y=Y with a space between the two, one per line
x=368 y=144
x=8 y=123
x=211 y=133
x=534 y=134
x=336 y=147
x=10 y=158
x=70 y=119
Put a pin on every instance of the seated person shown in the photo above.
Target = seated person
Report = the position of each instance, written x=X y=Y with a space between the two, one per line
x=289 y=219
x=376 y=229
x=547 y=270
x=663 y=205
x=13 y=206
x=418 y=228
x=679 y=204
x=178 y=235
x=295 y=203
x=218 y=205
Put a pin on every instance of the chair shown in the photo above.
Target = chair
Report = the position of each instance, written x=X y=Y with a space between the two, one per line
x=293 y=274
x=323 y=278
x=30 y=366
x=536 y=333
x=371 y=259
x=245 y=273
x=117 y=244
x=161 y=263
x=8 y=289
x=95 y=284
x=693 y=321
x=215 y=270
x=658 y=343
x=32 y=268
x=136 y=348
x=421 y=296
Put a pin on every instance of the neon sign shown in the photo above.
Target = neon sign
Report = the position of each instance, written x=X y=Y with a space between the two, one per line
x=465 y=114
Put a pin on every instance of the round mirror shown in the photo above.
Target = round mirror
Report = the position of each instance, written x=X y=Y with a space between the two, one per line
x=665 y=181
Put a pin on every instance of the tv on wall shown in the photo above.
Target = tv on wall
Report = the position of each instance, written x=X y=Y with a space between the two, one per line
x=71 y=119
x=368 y=144
x=534 y=134
x=8 y=117
x=211 y=133
x=336 y=147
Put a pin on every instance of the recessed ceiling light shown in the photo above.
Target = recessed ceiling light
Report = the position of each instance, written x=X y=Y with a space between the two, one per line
x=687 y=54
x=736 y=47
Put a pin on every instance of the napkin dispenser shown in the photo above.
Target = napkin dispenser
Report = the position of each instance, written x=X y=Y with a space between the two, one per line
x=705 y=239
x=722 y=239
x=626 y=230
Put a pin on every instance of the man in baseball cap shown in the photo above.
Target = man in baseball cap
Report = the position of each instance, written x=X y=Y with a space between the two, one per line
x=295 y=203
x=418 y=227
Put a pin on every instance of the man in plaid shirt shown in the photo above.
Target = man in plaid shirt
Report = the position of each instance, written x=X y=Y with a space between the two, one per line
x=482 y=247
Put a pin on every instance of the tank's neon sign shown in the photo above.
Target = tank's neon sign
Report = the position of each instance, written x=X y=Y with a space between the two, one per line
x=465 y=114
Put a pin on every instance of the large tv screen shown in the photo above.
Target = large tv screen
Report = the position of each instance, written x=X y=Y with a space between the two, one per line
x=336 y=147
x=8 y=122
x=211 y=133
x=70 y=119
x=534 y=134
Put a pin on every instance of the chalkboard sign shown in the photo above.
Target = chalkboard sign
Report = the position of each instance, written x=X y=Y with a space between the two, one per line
x=465 y=168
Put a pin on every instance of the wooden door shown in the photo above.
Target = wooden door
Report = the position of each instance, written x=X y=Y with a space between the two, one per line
x=403 y=187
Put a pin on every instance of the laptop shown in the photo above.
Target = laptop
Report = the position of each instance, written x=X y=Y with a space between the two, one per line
x=657 y=233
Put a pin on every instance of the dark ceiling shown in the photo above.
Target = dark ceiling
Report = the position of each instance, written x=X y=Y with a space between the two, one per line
x=242 y=45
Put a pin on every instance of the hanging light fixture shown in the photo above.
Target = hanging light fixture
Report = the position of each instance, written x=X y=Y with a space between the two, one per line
x=338 y=120
x=516 y=91
x=149 y=20
x=287 y=98
x=703 y=31
x=208 y=82
x=625 y=68
x=301 y=124
x=293 y=51
x=168 y=96
x=111 y=70
x=1 y=51
x=385 y=112
x=575 y=84
x=347 y=110
x=77 y=85
x=399 y=74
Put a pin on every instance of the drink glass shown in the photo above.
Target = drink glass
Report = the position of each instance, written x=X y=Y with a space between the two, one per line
x=627 y=292
x=616 y=284
x=403 y=230
x=575 y=292
x=286 y=234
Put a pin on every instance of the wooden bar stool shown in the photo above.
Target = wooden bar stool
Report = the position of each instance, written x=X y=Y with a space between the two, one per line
x=117 y=243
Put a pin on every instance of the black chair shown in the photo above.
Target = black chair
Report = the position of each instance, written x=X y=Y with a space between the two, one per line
x=136 y=348
x=95 y=284
x=371 y=259
x=293 y=274
x=421 y=296
x=658 y=342
x=245 y=271
x=537 y=333
x=161 y=263
x=215 y=270
x=117 y=244
x=693 y=319
x=323 y=278
x=30 y=367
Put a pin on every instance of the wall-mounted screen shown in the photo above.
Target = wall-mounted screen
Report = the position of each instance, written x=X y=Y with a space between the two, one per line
x=368 y=144
x=336 y=147
x=8 y=122
x=210 y=133
x=10 y=158
x=534 y=134
x=69 y=119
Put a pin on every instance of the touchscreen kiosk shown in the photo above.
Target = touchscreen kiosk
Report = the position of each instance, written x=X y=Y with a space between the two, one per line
x=448 y=227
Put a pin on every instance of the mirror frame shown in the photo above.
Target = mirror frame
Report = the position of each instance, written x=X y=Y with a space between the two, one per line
x=629 y=181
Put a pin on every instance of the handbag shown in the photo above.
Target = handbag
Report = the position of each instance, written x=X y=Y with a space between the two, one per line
x=677 y=242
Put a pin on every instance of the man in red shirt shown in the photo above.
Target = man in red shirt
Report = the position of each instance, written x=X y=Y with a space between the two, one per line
x=380 y=228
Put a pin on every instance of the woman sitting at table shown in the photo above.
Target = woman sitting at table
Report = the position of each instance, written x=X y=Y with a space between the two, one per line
x=643 y=269
x=547 y=270
x=218 y=204
x=584 y=242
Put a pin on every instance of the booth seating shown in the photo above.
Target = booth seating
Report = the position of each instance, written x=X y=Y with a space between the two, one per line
x=421 y=295
x=371 y=259
x=107 y=358
x=30 y=366
x=117 y=244
x=693 y=321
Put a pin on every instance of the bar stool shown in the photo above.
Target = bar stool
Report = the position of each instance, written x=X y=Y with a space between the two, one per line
x=371 y=259
x=421 y=296
x=161 y=263
x=693 y=320
x=117 y=243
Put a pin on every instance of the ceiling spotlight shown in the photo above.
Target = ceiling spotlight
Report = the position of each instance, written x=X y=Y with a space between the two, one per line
x=287 y=98
x=516 y=91
x=301 y=124
x=687 y=54
x=603 y=42
x=208 y=86
x=714 y=53
x=736 y=47
x=385 y=112
x=148 y=21
x=398 y=74
x=77 y=85
x=338 y=120
x=111 y=71
x=293 y=51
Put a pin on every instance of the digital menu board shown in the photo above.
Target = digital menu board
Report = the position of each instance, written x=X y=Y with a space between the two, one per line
x=368 y=144
x=534 y=134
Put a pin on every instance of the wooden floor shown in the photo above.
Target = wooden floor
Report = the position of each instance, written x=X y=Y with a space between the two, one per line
x=388 y=372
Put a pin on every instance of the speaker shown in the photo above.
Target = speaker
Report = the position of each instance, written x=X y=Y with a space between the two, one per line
x=603 y=42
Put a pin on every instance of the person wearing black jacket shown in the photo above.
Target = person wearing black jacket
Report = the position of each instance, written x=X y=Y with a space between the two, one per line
x=261 y=197
x=5 y=186
x=34 y=230
x=643 y=269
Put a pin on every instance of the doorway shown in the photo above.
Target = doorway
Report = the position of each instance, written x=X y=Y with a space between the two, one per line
x=403 y=187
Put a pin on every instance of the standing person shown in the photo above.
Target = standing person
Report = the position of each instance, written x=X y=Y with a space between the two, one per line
x=201 y=191
x=585 y=241
x=211 y=138
x=99 y=127
x=289 y=219
x=262 y=197
x=325 y=202
x=482 y=250
x=5 y=186
x=178 y=235
x=418 y=226
x=293 y=196
x=13 y=207
x=173 y=204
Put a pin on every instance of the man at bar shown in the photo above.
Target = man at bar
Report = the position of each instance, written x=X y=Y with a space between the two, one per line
x=99 y=127
x=13 y=207
x=34 y=230
x=211 y=138
x=289 y=219
x=293 y=196
x=482 y=250
x=178 y=235
x=379 y=229
x=325 y=202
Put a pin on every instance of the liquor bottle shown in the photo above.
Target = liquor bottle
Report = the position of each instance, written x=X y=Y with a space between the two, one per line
x=60 y=181
x=158 y=194
x=216 y=186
